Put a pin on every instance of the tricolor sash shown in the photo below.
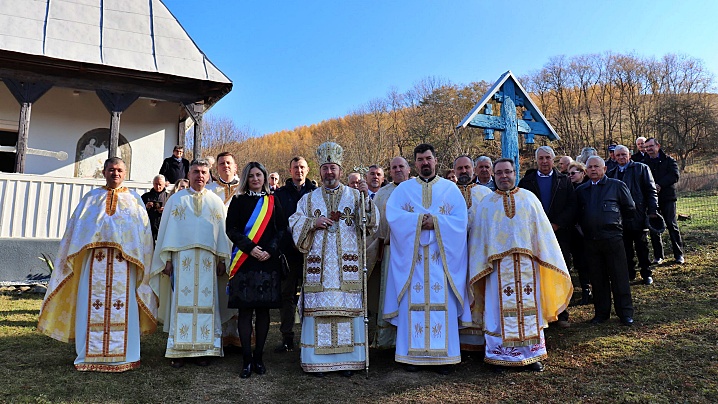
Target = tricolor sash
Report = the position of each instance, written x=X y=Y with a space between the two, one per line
x=254 y=229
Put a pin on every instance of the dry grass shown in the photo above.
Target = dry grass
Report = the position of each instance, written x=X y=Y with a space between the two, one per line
x=670 y=355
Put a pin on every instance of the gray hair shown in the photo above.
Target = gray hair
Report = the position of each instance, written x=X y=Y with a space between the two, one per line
x=482 y=158
x=545 y=149
x=620 y=146
x=586 y=152
x=160 y=176
x=640 y=138
x=603 y=162
x=200 y=162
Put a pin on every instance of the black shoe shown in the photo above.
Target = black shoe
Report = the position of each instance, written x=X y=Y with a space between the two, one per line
x=317 y=374
x=585 y=297
x=411 y=368
x=259 y=367
x=443 y=369
x=177 y=363
x=536 y=367
x=627 y=321
x=647 y=280
x=346 y=373
x=597 y=320
x=286 y=346
x=246 y=371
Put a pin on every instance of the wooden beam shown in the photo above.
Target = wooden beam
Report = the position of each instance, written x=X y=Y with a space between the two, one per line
x=114 y=134
x=26 y=93
x=22 y=133
x=196 y=111
x=116 y=104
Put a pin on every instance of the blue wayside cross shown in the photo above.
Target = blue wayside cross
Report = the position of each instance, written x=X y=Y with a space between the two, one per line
x=511 y=95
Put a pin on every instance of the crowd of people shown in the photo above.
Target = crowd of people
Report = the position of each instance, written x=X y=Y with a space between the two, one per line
x=429 y=266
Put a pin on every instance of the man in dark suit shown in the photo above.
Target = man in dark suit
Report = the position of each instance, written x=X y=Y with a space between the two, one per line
x=640 y=153
x=175 y=167
x=638 y=178
x=555 y=191
x=602 y=204
x=288 y=195
x=665 y=173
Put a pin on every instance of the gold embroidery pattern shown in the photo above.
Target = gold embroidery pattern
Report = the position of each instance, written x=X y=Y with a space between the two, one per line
x=436 y=330
x=111 y=201
x=418 y=330
x=179 y=212
x=418 y=287
x=97 y=304
x=100 y=367
x=466 y=193
x=206 y=292
x=408 y=207
x=186 y=262
x=184 y=330
x=207 y=263
x=118 y=305
x=350 y=257
x=436 y=287
x=446 y=208
x=509 y=202
x=419 y=257
x=186 y=291
x=350 y=268
x=528 y=289
x=204 y=331
x=508 y=291
x=100 y=256
x=436 y=256
x=215 y=215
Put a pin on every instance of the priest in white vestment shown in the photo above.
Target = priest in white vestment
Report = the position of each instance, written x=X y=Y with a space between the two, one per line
x=192 y=247
x=226 y=187
x=385 y=334
x=518 y=275
x=99 y=293
x=472 y=338
x=426 y=290
x=327 y=228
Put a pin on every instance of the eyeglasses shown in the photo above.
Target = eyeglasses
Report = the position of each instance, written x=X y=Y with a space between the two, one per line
x=575 y=172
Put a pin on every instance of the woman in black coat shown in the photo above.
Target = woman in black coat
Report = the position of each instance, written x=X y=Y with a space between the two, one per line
x=256 y=269
x=577 y=175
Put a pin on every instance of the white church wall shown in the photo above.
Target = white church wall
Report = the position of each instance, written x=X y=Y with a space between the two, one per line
x=61 y=117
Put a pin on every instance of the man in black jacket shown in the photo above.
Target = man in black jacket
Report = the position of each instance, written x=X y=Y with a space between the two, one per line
x=665 y=174
x=640 y=153
x=175 y=167
x=602 y=204
x=288 y=196
x=558 y=199
x=638 y=178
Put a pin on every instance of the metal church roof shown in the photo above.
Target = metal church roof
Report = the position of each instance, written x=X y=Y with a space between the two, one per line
x=140 y=35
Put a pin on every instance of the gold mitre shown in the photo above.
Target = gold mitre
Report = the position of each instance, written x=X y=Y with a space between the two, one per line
x=330 y=152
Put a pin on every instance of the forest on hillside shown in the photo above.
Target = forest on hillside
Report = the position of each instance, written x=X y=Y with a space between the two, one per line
x=590 y=100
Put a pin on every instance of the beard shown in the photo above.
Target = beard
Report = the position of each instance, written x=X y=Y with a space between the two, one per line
x=464 y=179
x=427 y=171
x=330 y=182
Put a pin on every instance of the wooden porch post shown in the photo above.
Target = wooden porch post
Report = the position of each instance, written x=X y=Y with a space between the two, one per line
x=196 y=112
x=25 y=94
x=116 y=104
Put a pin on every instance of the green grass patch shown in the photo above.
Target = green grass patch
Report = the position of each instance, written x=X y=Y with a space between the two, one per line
x=670 y=355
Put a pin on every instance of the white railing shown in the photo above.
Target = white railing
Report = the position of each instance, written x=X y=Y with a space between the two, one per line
x=38 y=206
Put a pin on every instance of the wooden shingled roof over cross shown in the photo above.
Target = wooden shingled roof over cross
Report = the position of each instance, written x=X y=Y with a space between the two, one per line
x=511 y=95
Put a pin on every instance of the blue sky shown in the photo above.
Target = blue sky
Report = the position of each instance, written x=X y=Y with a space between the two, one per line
x=300 y=62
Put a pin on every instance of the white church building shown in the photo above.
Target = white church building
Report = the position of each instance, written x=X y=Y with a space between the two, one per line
x=83 y=80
